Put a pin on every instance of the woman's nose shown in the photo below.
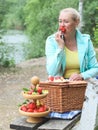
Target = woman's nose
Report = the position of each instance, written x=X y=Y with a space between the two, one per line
x=63 y=23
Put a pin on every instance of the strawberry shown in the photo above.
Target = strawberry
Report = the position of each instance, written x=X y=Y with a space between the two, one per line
x=30 y=110
x=24 y=108
x=51 y=78
x=44 y=107
x=39 y=90
x=41 y=109
x=31 y=105
x=35 y=110
x=62 y=29
x=30 y=92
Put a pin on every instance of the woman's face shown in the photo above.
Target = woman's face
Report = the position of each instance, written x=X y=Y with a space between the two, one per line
x=65 y=19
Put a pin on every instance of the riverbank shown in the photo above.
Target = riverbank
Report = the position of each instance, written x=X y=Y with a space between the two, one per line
x=11 y=83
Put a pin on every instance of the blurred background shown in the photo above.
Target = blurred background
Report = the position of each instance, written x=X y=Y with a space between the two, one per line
x=25 y=25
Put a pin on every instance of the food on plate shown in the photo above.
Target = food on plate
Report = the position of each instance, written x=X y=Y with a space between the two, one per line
x=35 y=88
x=35 y=91
x=57 y=79
x=37 y=106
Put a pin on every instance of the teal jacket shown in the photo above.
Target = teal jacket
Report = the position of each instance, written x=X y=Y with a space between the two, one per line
x=56 y=58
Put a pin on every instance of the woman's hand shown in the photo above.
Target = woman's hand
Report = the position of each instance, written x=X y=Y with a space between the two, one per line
x=59 y=40
x=75 y=77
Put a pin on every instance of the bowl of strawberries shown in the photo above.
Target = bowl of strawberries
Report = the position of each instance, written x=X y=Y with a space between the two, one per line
x=34 y=108
x=35 y=111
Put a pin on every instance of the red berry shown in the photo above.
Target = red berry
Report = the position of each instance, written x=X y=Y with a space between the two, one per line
x=30 y=110
x=24 y=108
x=41 y=109
x=51 y=78
x=30 y=92
x=31 y=105
x=35 y=110
x=63 y=29
x=39 y=90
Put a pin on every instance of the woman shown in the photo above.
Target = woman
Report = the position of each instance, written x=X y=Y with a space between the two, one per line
x=72 y=56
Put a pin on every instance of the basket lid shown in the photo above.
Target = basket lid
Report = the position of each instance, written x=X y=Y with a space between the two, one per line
x=64 y=84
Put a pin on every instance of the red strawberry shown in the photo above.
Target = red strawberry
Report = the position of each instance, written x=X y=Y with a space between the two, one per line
x=35 y=110
x=24 y=108
x=63 y=29
x=30 y=92
x=31 y=105
x=51 y=78
x=45 y=107
x=41 y=109
x=39 y=90
x=30 y=110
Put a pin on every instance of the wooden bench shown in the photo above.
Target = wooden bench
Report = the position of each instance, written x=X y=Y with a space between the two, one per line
x=47 y=124
x=88 y=120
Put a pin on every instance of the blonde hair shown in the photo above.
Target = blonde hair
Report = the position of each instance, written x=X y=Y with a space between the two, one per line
x=74 y=12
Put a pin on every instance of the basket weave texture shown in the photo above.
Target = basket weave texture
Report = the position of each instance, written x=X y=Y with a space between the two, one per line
x=65 y=96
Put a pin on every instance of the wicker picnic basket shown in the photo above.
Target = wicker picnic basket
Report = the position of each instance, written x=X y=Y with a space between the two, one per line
x=64 y=96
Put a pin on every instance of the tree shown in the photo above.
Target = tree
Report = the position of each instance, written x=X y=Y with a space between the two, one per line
x=41 y=18
x=90 y=16
x=81 y=13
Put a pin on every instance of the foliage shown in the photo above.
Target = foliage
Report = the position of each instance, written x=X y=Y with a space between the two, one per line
x=96 y=36
x=4 y=6
x=14 y=17
x=96 y=32
x=5 y=59
x=90 y=16
x=41 y=20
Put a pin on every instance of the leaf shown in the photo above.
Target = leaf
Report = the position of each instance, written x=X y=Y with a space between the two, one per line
x=25 y=89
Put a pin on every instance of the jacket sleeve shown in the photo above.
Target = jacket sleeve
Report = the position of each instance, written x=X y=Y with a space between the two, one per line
x=54 y=57
x=91 y=62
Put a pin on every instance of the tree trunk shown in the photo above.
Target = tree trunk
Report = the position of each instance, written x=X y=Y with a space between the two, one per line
x=81 y=13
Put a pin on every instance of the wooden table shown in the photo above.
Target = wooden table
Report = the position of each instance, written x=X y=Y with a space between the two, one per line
x=47 y=124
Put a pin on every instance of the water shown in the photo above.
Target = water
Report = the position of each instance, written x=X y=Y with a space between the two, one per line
x=17 y=40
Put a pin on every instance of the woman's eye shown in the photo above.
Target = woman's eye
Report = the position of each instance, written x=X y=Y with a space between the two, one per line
x=63 y=21
x=66 y=22
x=60 y=21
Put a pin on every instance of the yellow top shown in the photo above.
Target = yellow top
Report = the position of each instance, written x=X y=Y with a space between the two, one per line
x=72 y=63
